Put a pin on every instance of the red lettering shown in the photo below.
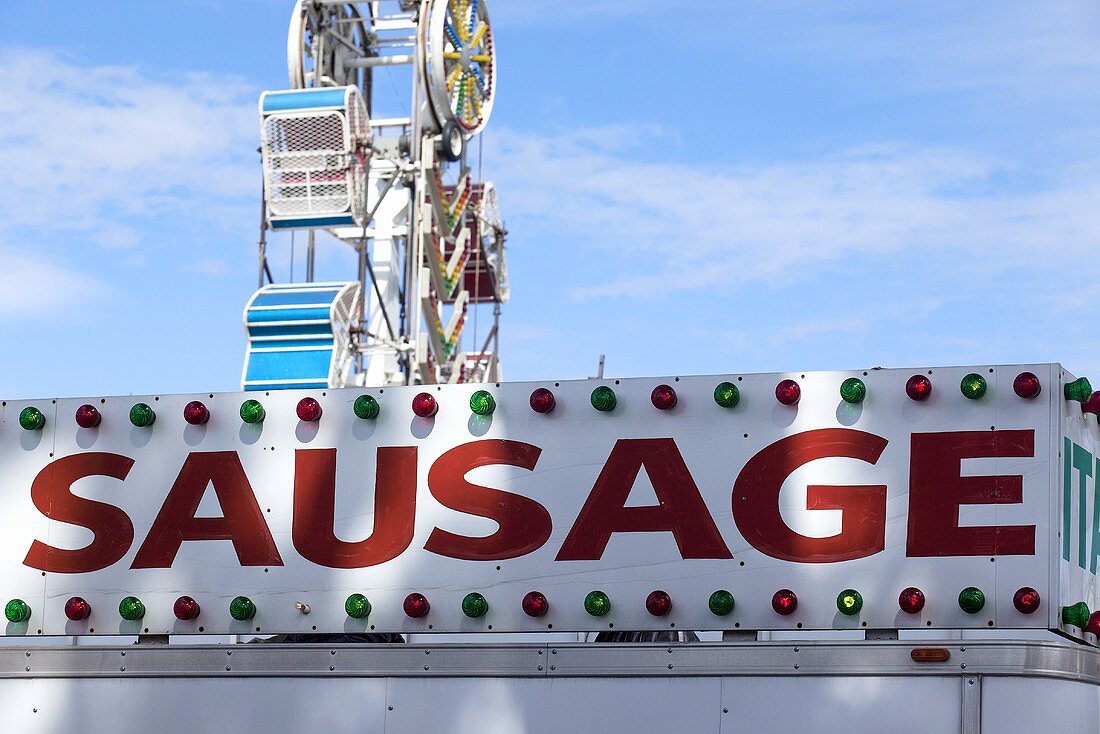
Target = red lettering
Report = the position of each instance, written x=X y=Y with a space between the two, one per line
x=315 y=508
x=937 y=488
x=242 y=522
x=52 y=494
x=524 y=524
x=756 y=498
x=681 y=511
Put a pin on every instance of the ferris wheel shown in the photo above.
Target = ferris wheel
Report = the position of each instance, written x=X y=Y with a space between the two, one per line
x=393 y=184
x=322 y=40
x=331 y=44
x=460 y=63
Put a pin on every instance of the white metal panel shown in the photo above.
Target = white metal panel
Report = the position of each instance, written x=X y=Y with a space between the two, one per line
x=575 y=442
x=532 y=706
x=841 y=705
x=1035 y=704
x=187 y=706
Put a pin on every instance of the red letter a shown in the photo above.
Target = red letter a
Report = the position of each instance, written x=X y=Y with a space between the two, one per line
x=242 y=523
x=681 y=511
x=315 y=508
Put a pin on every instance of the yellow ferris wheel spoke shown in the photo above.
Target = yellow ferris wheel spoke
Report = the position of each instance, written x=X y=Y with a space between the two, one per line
x=452 y=55
x=461 y=15
x=453 y=77
x=481 y=58
x=478 y=35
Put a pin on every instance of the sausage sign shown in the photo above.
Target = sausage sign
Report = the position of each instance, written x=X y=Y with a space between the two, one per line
x=722 y=502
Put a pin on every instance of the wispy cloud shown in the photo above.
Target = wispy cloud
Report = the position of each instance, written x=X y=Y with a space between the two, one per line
x=32 y=286
x=680 y=227
x=107 y=158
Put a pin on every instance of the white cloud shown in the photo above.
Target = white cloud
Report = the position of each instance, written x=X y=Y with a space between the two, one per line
x=30 y=287
x=675 y=226
x=104 y=158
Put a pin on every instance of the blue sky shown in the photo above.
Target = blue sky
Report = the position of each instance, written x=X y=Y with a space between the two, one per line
x=713 y=186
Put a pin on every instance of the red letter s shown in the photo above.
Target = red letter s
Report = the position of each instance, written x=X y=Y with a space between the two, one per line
x=52 y=495
x=524 y=524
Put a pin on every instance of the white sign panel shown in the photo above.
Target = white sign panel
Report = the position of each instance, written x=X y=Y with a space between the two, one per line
x=807 y=512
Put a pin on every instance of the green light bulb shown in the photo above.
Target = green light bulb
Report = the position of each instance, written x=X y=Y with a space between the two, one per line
x=366 y=407
x=31 y=419
x=482 y=403
x=603 y=398
x=142 y=416
x=973 y=386
x=853 y=390
x=1078 y=390
x=721 y=602
x=597 y=604
x=727 y=395
x=850 y=602
x=242 y=608
x=131 y=609
x=474 y=605
x=357 y=606
x=17 y=611
x=1077 y=615
x=971 y=600
x=252 y=411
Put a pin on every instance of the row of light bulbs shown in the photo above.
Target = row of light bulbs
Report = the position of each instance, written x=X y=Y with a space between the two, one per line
x=535 y=604
x=603 y=398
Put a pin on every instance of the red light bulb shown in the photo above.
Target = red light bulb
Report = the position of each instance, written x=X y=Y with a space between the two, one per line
x=309 y=410
x=535 y=604
x=918 y=387
x=1093 y=625
x=77 y=609
x=416 y=605
x=424 y=405
x=186 y=608
x=542 y=400
x=788 y=392
x=1027 y=385
x=196 y=413
x=911 y=600
x=663 y=397
x=1026 y=600
x=784 y=602
x=658 y=603
x=1092 y=405
x=87 y=416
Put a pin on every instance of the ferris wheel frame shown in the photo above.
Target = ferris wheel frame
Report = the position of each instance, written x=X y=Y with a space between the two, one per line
x=450 y=57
